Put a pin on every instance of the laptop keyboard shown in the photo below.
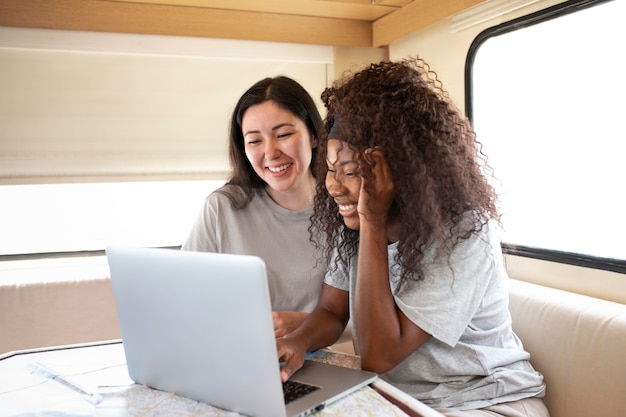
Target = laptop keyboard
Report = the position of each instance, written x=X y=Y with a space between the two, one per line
x=293 y=390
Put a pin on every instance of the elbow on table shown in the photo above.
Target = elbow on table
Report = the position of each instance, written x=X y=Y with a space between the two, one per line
x=382 y=358
x=378 y=363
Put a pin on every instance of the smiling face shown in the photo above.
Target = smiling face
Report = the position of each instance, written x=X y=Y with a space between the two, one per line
x=343 y=181
x=279 y=148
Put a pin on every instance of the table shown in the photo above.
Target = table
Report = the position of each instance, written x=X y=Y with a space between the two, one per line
x=92 y=380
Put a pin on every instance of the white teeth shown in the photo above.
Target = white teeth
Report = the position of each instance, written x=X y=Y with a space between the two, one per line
x=280 y=168
x=346 y=208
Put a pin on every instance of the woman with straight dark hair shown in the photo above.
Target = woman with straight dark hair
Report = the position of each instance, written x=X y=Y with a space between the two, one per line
x=264 y=209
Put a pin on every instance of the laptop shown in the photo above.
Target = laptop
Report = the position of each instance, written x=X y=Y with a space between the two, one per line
x=200 y=325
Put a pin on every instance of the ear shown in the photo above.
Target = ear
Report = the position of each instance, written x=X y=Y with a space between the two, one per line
x=314 y=142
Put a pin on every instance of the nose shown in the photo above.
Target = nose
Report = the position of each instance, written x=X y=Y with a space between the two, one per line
x=333 y=186
x=272 y=150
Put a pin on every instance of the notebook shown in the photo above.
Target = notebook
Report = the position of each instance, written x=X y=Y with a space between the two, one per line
x=199 y=325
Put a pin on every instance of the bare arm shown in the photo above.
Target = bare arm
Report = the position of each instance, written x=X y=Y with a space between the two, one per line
x=321 y=328
x=385 y=335
x=287 y=321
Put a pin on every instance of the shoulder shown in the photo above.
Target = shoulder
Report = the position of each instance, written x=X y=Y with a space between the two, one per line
x=472 y=229
x=233 y=195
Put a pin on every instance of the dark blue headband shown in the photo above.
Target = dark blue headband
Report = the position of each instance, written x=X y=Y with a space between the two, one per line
x=335 y=130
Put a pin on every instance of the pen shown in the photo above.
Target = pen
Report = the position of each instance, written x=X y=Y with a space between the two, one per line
x=43 y=370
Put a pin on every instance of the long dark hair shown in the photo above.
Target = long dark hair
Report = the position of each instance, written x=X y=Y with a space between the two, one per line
x=435 y=161
x=291 y=96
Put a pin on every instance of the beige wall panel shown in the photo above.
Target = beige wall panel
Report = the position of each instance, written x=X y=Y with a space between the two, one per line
x=351 y=59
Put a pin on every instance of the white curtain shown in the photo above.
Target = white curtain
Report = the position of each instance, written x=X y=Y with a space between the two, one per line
x=88 y=107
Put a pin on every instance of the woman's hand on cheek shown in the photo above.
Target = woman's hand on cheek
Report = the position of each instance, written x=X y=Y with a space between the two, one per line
x=377 y=192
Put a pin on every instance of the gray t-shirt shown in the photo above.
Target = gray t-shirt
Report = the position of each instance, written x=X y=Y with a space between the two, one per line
x=473 y=359
x=278 y=236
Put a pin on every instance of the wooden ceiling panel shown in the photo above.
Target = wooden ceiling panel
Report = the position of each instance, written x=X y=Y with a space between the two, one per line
x=369 y=23
x=338 y=9
x=416 y=14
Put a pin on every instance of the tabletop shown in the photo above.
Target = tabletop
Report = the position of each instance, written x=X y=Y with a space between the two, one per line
x=92 y=380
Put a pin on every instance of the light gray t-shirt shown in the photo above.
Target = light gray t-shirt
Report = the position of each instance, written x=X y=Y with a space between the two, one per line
x=278 y=236
x=473 y=359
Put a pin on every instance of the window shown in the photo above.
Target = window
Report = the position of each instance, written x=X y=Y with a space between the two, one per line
x=53 y=218
x=546 y=97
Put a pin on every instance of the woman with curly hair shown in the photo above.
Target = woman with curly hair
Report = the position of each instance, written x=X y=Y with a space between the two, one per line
x=408 y=219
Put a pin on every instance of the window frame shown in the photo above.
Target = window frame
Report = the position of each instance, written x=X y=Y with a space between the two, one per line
x=550 y=13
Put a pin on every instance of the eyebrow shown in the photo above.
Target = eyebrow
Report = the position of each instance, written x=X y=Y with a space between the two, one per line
x=275 y=128
x=342 y=163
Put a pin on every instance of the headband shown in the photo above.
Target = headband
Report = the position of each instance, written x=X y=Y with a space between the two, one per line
x=335 y=130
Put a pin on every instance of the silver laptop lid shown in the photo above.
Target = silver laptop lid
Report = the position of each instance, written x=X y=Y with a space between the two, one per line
x=200 y=325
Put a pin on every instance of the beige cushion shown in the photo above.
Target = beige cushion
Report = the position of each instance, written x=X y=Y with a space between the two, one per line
x=42 y=314
x=578 y=343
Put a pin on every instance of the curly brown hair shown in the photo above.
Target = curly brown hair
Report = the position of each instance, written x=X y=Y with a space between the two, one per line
x=436 y=163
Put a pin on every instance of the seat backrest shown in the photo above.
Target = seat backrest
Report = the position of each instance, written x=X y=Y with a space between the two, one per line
x=578 y=343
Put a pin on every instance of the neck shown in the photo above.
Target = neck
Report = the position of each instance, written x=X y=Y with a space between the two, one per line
x=297 y=198
x=393 y=230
